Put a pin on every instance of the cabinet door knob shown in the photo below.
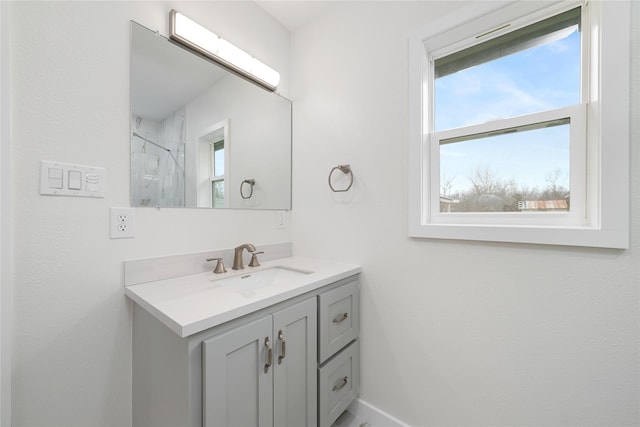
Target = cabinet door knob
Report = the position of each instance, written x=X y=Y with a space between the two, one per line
x=267 y=344
x=340 y=386
x=341 y=318
x=283 y=347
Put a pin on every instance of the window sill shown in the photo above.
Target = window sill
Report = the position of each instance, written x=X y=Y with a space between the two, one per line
x=617 y=238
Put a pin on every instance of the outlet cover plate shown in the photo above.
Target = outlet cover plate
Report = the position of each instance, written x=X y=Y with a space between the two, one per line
x=122 y=223
x=281 y=219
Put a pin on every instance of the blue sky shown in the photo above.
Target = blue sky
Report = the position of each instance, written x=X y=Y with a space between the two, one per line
x=537 y=79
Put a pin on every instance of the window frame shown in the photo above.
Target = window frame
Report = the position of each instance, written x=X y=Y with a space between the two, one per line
x=603 y=218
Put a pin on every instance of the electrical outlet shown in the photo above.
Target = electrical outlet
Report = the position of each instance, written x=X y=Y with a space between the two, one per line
x=122 y=223
x=281 y=219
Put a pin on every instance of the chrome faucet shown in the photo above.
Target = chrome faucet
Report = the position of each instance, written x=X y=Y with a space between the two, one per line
x=237 y=255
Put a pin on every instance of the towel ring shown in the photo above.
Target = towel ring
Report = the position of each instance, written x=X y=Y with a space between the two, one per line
x=346 y=169
x=251 y=183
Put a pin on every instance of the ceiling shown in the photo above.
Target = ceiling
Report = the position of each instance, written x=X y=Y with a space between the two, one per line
x=294 y=14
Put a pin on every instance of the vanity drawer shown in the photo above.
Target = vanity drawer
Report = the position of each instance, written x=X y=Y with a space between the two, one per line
x=339 y=384
x=339 y=319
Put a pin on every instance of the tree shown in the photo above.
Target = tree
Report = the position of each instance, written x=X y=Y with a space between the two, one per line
x=489 y=193
x=446 y=184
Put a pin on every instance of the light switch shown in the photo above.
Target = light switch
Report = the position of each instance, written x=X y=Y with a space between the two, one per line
x=93 y=180
x=75 y=180
x=55 y=178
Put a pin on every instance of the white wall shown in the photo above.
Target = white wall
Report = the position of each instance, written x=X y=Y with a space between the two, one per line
x=70 y=102
x=5 y=225
x=453 y=333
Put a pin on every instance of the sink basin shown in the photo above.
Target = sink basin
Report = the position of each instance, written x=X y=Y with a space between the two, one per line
x=252 y=280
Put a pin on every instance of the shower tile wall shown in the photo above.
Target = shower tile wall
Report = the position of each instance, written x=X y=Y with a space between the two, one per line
x=157 y=175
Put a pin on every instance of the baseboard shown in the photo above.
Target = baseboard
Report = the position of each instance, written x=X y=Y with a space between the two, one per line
x=373 y=416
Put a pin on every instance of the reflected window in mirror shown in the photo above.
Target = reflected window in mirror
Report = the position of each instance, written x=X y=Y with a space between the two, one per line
x=217 y=181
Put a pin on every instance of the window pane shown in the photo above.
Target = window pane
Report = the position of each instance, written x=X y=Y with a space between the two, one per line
x=218 y=158
x=217 y=190
x=518 y=170
x=530 y=70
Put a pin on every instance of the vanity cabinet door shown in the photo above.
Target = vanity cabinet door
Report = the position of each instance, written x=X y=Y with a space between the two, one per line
x=238 y=386
x=295 y=379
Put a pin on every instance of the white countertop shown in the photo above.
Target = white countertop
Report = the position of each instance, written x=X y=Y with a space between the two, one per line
x=193 y=303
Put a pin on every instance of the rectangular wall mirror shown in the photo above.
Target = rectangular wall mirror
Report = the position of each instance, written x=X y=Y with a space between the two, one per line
x=202 y=136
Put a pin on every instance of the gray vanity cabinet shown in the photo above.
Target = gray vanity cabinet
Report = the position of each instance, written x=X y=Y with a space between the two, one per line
x=263 y=373
x=292 y=364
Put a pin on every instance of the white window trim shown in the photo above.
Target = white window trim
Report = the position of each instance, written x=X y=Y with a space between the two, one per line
x=608 y=172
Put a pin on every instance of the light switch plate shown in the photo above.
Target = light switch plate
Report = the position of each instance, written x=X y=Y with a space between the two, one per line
x=67 y=179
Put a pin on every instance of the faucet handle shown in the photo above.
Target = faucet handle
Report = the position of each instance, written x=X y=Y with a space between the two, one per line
x=254 y=259
x=219 y=265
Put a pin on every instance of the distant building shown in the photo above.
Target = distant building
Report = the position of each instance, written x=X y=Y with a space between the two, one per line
x=543 y=205
x=446 y=202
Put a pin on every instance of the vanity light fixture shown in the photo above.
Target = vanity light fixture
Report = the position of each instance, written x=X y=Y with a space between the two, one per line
x=194 y=36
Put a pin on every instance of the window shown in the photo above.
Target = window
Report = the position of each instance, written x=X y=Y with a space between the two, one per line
x=217 y=173
x=500 y=166
x=510 y=137
x=212 y=166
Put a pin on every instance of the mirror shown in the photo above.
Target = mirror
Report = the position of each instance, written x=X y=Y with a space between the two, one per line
x=202 y=136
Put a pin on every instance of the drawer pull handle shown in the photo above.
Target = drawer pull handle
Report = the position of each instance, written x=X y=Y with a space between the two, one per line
x=269 y=355
x=340 y=386
x=341 y=318
x=283 y=348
